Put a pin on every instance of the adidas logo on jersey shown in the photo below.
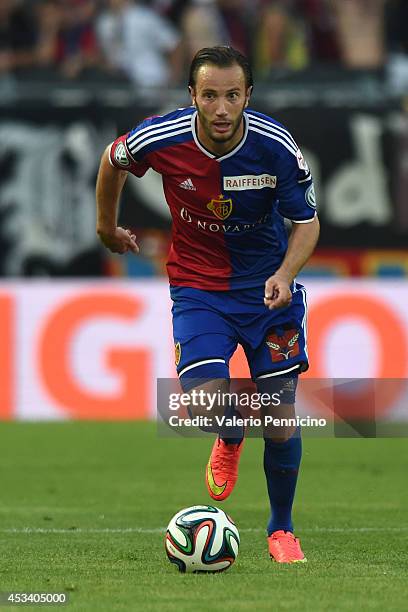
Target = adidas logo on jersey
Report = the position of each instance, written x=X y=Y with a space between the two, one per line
x=188 y=184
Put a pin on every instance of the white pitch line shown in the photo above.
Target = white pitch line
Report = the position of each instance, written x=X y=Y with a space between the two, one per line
x=82 y=530
x=33 y=530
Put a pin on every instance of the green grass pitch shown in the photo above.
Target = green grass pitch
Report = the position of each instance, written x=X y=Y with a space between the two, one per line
x=82 y=506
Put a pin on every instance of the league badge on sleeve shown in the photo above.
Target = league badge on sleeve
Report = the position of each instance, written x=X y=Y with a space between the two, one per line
x=302 y=163
x=120 y=155
x=310 y=196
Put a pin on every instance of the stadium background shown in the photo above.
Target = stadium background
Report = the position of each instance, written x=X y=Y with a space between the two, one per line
x=71 y=80
x=87 y=484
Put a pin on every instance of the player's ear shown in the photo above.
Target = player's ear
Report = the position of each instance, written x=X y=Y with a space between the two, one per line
x=192 y=94
x=248 y=95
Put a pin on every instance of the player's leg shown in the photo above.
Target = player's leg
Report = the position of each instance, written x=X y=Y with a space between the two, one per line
x=204 y=344
x=282 y=457
x=275 y=364
x=206 y=378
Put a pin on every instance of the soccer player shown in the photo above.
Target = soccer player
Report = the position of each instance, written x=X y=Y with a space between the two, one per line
x=231 y=176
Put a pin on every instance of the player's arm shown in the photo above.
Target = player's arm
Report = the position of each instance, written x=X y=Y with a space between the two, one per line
x=297 y=202
x=109 y=186
x=302 y=242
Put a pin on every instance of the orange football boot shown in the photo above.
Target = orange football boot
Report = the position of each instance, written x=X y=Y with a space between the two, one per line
x=222 y=469
x=285 y=548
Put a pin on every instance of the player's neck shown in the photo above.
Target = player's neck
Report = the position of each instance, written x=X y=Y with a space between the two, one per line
x=219 y=148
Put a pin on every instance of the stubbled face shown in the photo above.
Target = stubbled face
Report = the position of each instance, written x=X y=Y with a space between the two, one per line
x=220 y=96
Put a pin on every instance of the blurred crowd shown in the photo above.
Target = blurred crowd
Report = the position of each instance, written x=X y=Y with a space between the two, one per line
x=151 y=43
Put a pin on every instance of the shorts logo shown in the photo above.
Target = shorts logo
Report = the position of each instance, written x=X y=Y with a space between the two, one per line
x=222 y=208
x=284 y=345
x=177 y=353
x=310 y=196
x=121 y=156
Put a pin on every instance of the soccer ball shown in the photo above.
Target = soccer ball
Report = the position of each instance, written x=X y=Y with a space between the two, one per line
x=202 y=539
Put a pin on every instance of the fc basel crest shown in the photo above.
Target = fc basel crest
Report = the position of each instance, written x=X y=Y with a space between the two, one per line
x=221 y=208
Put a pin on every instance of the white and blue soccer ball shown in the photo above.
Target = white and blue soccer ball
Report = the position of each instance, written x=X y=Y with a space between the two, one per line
x=202 y=539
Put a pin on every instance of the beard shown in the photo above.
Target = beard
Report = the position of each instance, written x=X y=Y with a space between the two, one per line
x=220 y=138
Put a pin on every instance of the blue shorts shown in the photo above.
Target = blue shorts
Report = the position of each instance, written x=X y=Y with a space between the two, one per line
x=208 y=326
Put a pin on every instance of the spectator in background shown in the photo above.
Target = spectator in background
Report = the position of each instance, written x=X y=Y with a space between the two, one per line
x=206 y=23
x=282 y=38
x=201 y=26
x=66 y=38
x=360 y=32
x=396 y=23
x=172 y=9
x=319 y=18
x=77 y=48
x=140 y=43
x=237 y=18
x=17 y=37
x=49 y=19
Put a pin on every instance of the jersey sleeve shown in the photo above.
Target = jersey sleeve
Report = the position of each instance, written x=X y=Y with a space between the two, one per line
x=295 y=189
x=121 y=158
x=129 y=152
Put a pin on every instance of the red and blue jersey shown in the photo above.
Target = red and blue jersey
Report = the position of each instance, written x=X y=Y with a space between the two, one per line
x=228 y=211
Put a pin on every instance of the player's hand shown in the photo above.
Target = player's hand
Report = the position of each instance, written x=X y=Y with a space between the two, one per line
x=120 y=241
x=277 y=292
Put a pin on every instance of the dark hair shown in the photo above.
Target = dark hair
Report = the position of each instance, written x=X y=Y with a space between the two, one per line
x=223 y=57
